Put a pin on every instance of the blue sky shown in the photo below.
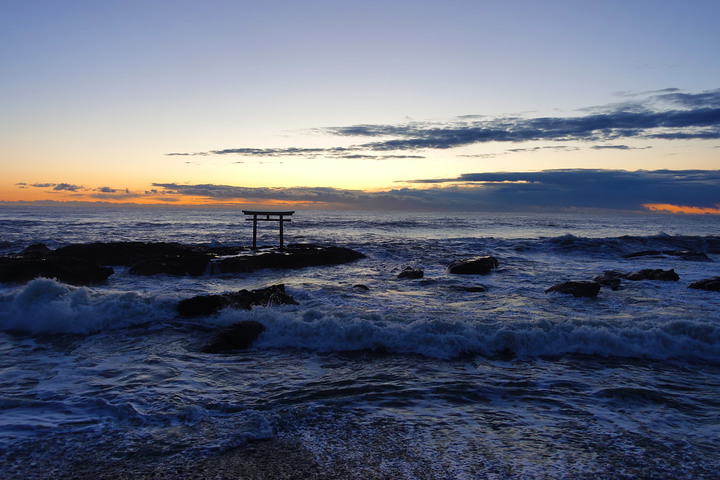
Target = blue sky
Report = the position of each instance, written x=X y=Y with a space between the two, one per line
x=149 y=101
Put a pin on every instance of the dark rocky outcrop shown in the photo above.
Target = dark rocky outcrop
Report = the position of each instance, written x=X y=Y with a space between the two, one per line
x=243 y=299
x=709 y=284
x=473 y=289
x=36 y=251
x=410 y=272
x=610 y=278
x=577 y=289
x=613 y=278
x=88 y=263
x=688 y=255
x=292 y=257
x=189 y=263
x=72 y=271
x=653 y=274
x=39 y=261
x=237 y=336
x=473 y=266
x=129 y=253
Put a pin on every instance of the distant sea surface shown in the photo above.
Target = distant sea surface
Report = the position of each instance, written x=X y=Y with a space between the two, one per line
x=409 y=378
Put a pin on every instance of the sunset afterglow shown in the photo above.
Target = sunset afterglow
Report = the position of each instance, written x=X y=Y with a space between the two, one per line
x=384 y=105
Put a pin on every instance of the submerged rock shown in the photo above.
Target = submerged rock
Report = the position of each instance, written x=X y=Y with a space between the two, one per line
x=610 y=278
x=577 y=289
x=709 y=284
x=237 y=336
x=410 y=272
x=683 y=254
x=471 y=289
x=473 y=266
x=243 y=299
x=613 y=278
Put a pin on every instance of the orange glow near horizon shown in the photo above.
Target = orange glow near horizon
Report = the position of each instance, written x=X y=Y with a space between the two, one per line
x=667 y=207
x=27 y=197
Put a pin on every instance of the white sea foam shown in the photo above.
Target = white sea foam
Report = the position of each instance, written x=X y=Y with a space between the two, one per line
x=445 y=339
x=456 y=405
x=48 y=306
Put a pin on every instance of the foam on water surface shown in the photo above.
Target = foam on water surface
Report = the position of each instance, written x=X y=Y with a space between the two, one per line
x=405 y=379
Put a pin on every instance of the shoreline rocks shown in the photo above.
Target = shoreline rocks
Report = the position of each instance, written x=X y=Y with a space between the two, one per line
x=38 y=260
x=294 y=256
x=613 y=278
x=242 y=299
x=412 y=273
x=473 y=266
x=653 y=274
x=709 y=284
x=576 y=288
x=85 y=264
x=237 y=336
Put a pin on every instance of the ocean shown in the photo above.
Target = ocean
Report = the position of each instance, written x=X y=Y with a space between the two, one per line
x=423 y=378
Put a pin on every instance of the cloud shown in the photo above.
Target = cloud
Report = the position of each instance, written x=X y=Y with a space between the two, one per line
x=99 y=192
x=590 y=188
x=550 y=190
x=546 y=190
x=67 y=187
x=58 y=187
x=667 y=114
x=264 y=152
x=359 y=156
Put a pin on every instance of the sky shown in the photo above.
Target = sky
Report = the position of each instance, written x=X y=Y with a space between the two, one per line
x=417 y=105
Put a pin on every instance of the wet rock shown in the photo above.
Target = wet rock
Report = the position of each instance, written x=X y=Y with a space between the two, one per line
x=613 y=278
x=653 y=274
x=473 y=266
x=203 y=305
x=361 y=287
x=410 y=272
x=129 y=253
x=577 y=289
x=190 y=264
x=83 y=264
x=473 y=289
x=687 y=255
x=610 y=278
x=35 y=251
x=237 y=336
x=243 y=299
x=709 y=284
x=292 y=257
x=69 y=270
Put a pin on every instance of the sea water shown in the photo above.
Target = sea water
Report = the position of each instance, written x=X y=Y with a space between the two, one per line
x=407 y=378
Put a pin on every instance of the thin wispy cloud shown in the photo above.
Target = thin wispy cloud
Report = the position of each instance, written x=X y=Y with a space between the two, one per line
x=667 y=115
x=104 y=192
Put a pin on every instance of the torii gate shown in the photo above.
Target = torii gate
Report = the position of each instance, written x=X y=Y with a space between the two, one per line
x=270 y=216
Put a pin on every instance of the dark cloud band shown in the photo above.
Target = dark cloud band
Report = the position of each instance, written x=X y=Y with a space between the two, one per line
x=499 y=191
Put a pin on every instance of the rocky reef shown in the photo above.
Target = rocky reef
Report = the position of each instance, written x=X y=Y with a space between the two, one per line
x=86 y=264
